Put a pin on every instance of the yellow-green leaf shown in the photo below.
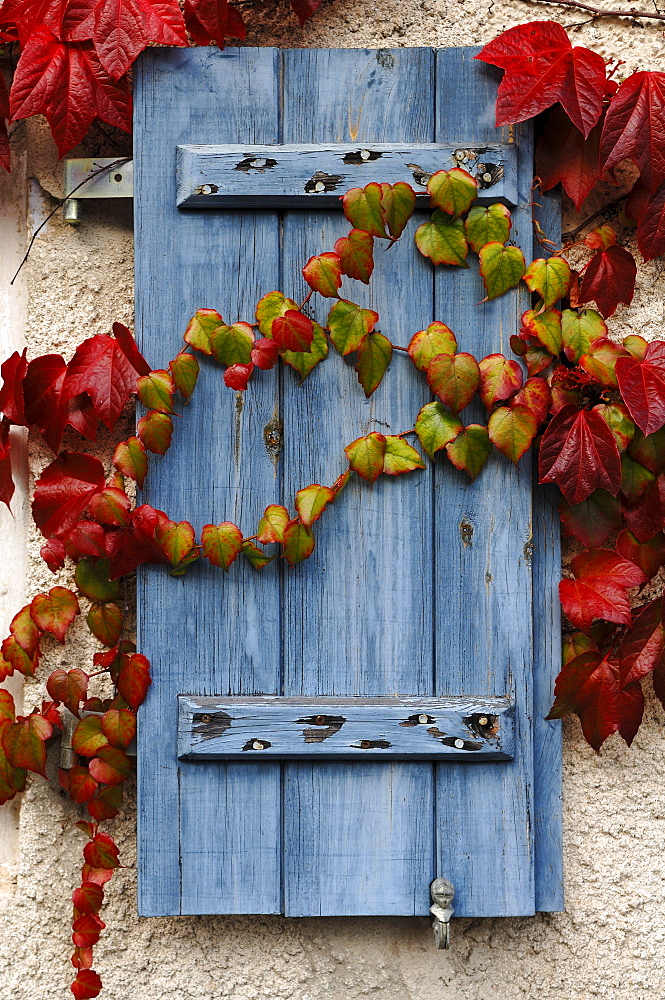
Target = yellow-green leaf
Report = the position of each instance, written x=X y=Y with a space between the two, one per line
x=311 y=501
x=501 y=268
x=374 y=355
x=272 y=524
x=470 y=449
x=363 y=209
x=255 y=555
x=232 y=345
x=452 y=191
x=366 y=455
x=200 y=327
x=400 y=457
x=397 y=204
x=271 y=306
x=155 y=430
x=549 y=277
x=305 y=361
x=545 y=327
x=221 y=543
x=298 y=542
x=487 y=224
x=512 y=429
x=454 y=379
x=156 y=391
x=184 y=371
x=426 y=344
x=348 y=324
x=105 y=622
x=580 y=330
x=436 y=427
x=131 y=459
x=442 y=240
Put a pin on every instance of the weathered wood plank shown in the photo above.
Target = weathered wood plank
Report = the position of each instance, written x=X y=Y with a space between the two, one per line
x=483 y=573
x=358 y=614
x=547 y=738
x=219 y=632
x=360 y=728
x=314 y=175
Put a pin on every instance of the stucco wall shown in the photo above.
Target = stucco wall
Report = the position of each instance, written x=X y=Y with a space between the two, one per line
x=610 y=942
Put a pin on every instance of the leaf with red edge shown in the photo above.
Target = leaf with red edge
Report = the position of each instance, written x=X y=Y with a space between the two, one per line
x=635 y=127
x=105 y=622
x=93 y=582
x=105 y=803
x=134 y=679
x=101 y=852
x=200 y=327
x=454 y=379
x=609 y=278
x=18 y=658
x=452 y=191
x=70 y=687
x=100 y=876
x=272 y=524
x=501 y=268
x=88 y=737
x=24 y=742
x=156 y=391
x=131 y=459
x=111 y=766
x=349 y=324
x=221 y=543
x=600 y=361
x=634 y=479
x=436 y=427
x=87 y=985
x=119 y=727
x=293 y=331
x=366 y=455
x=184 y=371
x=592 y=521
x=443 y=240
x=177 y=541
x=88 y=898
x=298 y=542
x=311 y=501
x=589 y=686
x=101 y=368
x=232 y=345
x=500 y=379
x=64 y=490
x=363 y=209
x=651 y=225
x=25 y=630
x=512 y=430
x=579 y=454
x=580 y=330
x=67 y=83
x=545 y=328
x=237 y=376
x=564 y=156
x=11 y=395
x=537 y=396
x=265 y=353
x=6 y=479
x=649 y=556
x=600 y=238
x=487 y=224
x=400 y=457
x=542 y=67
x=78 y=783
x=642 y=385
x=255 y=556
x=550 y=277
x=54 y=612
x=355 y=253
x=426 y=344
x=7 y=708
x=111 y=506
x=323 y=274
x=616 y=417
x=470 y=449
x=374 y=355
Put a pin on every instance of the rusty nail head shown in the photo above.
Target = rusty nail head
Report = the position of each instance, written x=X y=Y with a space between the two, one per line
x=459 y=154
x=487 y=177
x=257 y=745
x=206 y=718
x=459 y=744
x=483 y=720
x=320 y=720
x=423 y=719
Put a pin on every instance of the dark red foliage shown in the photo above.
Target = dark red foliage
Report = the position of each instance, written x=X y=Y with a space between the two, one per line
x=579 y=454
x=609 y=278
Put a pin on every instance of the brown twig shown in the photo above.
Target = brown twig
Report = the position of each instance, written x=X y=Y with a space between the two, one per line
x=597 y=12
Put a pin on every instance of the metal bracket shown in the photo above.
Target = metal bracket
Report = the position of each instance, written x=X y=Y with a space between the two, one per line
x=100 y=177
x=442 y=892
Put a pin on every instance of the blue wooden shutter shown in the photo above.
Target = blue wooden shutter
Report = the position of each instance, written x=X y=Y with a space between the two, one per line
x=420 y=588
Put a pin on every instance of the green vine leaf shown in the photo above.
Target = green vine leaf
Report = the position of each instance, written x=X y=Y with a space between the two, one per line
x=600 y=362
x=156 y=391
x=545 y=327
x=348 y=324
x=501 y=268
x=311 y=501
x=88 y=737
x=177 y=541
x=119 y=727
x=489 y=224
x=155 y=431
x=550 y=277
x=298 y=542
x=221 y=543
x=470 y=449
x=273 y=524
x=231 y=345
x=363 y=209
x=199 y=328
x=93 y=582
x=374 y=355
x=452 y=191
x=366 y=455
x=454 y=379
x=400 y=457
x=426 y=344
x=105 y=622
x=184 y=371
x=306 y=362
x=436 y=427
x=397 y=202
x=256 y=556
x=323 y=274
x=356 y=254
x=512 y=430
x=580 y=330
x=130 y=458
x=442 y=240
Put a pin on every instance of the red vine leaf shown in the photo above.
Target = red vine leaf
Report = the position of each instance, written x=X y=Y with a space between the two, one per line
x=537 y=396
x=6 y=479
x=70 y=687
x=305 y=8
x=155 y=431
x=129 y=348
x=101 y=368
x=542 y=67
x=635 y=127
x=564 y=156
x=64 y=490
x=600 y=588
x=105 y=803
x=454 y=379
x=88 y=898
x=642 y=385
x=609 y=278
x=87 y=985
x=211 y=20
x=54 y=612
x=4 y=136
x=111 y=766
x=11 y=395
x=324 y=274
x=589 y=686
x=649 y=556
x=78 y=783
x=101 y=852
x=24 y=742
x=592 y=521
x=651 y=224
x=579 y=454
x=67 y=83
x=48 y=405
x=500 y=379
x=265 y=353
x=355 y=253
x=237 y=376
x=88 y=737
x=133 y=681
x=119 y=727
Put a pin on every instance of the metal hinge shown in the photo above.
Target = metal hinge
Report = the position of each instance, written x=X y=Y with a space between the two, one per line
x=99 y=177
x=442 y=892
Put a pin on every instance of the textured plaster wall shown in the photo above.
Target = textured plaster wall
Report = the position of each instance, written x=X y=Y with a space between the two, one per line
x=610 y=942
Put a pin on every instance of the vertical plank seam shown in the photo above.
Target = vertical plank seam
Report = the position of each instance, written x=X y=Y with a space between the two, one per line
x=435 y=817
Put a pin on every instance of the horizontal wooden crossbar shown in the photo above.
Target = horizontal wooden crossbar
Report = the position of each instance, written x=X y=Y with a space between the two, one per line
x=296 y=176
x=444 y=729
